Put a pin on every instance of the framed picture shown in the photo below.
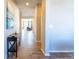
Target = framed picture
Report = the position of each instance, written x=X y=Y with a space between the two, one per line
x=9 y=19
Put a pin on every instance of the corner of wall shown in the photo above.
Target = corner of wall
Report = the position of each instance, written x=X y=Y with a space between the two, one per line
x=45 y=53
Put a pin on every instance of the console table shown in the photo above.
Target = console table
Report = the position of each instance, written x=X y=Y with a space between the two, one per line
x=11 y=45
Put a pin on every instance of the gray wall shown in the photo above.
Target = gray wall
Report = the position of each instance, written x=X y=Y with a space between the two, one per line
x=59 y=25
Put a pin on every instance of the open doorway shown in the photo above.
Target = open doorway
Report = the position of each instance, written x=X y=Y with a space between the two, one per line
x=28 y=38
x=27 y=24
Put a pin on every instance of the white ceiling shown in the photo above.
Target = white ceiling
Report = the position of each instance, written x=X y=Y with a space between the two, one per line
x=27 y=10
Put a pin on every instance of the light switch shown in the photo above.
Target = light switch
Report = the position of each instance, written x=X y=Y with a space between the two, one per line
x=50 y=26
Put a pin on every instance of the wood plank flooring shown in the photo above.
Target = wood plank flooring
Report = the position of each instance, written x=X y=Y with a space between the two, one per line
x=31 y=50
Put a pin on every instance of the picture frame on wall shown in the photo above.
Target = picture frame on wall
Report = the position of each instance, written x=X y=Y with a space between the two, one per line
x=9 y=19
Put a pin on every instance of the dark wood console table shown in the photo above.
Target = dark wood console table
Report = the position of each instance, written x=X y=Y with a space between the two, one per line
x=11 y=45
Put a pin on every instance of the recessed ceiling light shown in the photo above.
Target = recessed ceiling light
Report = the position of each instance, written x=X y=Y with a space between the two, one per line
x=27 y=3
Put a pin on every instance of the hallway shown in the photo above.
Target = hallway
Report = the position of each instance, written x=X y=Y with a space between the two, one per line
x=50 y=31
x=29 y=49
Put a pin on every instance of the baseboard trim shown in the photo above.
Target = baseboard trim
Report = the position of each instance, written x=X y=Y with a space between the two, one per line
x=45 y=54
x=70 y=51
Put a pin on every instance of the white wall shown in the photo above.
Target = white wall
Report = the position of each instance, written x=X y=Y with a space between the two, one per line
x=15 y=11
x=17 y=20
x=59 y=25
x=34 y=22
x=28 y=12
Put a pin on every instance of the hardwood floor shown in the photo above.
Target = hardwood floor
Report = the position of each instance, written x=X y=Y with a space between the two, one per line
x=31 y=50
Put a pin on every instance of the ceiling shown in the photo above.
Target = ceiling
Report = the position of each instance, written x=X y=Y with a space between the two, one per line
x=25 y=9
